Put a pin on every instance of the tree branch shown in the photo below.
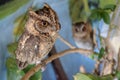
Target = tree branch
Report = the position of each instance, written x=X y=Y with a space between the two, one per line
x=61 y=75
x=66 y=42
x=118 y=67
x=53 y=57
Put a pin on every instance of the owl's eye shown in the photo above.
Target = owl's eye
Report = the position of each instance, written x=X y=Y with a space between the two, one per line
x=84 y=29
x=44 y=23
x=77 y=30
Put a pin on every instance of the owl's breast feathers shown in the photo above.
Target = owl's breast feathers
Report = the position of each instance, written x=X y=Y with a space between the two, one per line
x=34 y=48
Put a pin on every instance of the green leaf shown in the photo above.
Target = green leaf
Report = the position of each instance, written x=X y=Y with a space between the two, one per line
x=96 y=14
x=110 y=6
x=79 y=10
x=11 y=7
x=19 y=25
x=106 y=17
x=93 y=16
x=101 y=54
x=75 y=11
x=104 y=3
x=94 y=55
x=13 y=73
x=12 y=47
x=118 y=75
x=107 y=77
x=36 y=76
x=80 y=76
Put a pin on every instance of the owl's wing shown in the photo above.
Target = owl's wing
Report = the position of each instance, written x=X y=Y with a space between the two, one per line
x=21 y=61
x=28 y=48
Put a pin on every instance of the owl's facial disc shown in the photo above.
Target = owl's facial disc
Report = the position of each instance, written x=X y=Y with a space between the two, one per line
x=47 y=20
x=80 y=27
x=42 y=26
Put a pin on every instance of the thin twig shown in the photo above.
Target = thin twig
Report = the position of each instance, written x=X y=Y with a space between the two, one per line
x=94 y=38
x=97 y=68
x=112 y=19
x=107 y=67
x=118 y=67
x=66 y=42
x=53 y=57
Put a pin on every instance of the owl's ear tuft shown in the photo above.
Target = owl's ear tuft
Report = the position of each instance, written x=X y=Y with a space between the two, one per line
x=46 y=5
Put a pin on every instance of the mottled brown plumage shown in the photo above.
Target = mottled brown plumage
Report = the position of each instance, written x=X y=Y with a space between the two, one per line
x=39 y=36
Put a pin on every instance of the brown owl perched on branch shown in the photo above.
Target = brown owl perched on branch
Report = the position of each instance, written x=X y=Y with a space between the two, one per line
x=39 y=36
x=83 y=35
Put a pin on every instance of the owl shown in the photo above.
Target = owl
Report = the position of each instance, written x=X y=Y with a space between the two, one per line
x=83 y=35
x=39 y=36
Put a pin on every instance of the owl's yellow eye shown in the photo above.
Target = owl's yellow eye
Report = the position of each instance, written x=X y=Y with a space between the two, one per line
x=44 y=23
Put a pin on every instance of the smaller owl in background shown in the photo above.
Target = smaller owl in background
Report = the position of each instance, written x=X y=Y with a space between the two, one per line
x=83 y=35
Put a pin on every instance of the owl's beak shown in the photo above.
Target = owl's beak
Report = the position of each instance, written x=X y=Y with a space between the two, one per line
x=58 y=26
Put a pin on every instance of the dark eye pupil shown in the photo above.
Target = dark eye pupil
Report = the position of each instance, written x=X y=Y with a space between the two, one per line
x=44 y=23
x=76 y=30
x=84 y=29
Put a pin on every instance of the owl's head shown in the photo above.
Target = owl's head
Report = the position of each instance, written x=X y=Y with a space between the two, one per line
x=44 y=20
x=81 y=29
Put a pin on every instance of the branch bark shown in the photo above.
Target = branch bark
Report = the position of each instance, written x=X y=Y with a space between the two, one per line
x=66 y=42
x=61 y=75
x=118 y=67
x=53 y=57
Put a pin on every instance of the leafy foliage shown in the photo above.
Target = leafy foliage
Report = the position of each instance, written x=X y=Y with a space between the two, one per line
x=98 y=55
x=36 y=76
x=118 y=74
x=101 y=54
x=104 y=3
x=12 y=47
x=98 y=14
x=81 y=76
x=79 y=10
x=110 y=7
x=106 y=17
x=13 y=73
x=11 y=7
x=19 y=25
